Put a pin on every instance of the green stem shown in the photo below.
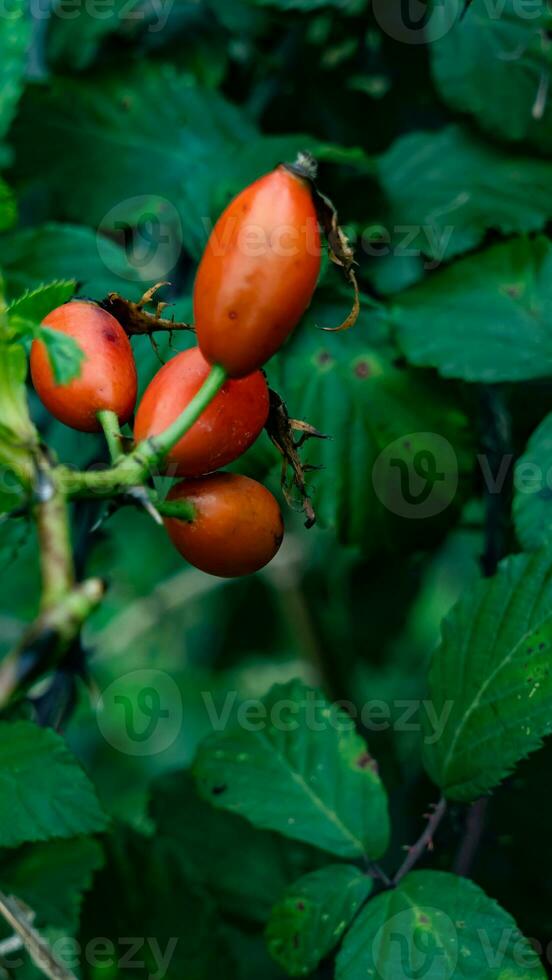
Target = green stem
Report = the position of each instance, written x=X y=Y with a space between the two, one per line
x=158 y=446
x=182 y=509
x=112 y=432
x=56 y=558
x=133 y=469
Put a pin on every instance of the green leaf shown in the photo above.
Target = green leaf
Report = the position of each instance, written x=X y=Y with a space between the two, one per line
x=312 y=916
x=153 y=149
x=454 y=187
x=15 y=30
x=34 y=305
x=486 y=318
x=51 y=878
x=437 y=926
x=490 y=678
x=45 y=793
x=65 y=355
x=496 y=66
x=395 y=467
x=31 y=256
x=25 y=316
x=303 y=772
x=533 y=495
x=244 y=868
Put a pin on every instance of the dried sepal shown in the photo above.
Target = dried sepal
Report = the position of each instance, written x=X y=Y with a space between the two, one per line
x=135 y=319
x=281 y=429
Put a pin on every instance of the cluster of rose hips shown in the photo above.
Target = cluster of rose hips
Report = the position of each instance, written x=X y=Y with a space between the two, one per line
x=246 y=302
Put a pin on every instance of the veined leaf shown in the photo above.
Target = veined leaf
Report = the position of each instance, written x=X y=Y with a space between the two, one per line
x=304 y=773
x=533 y=496
x=491 y=679
x=454 y=187
x=312 y=916
x=398 y=460
x=45 y=793
x=437 y=926
x=496 y=64
x=485 y=318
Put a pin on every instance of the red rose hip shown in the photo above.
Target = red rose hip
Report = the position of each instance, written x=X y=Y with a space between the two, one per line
x=228 y=426
x=237 y=528
x=107 y=380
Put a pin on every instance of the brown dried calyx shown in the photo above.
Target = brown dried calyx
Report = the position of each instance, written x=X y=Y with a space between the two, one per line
x=339 y=248
x=281 y=430
x=135 y=319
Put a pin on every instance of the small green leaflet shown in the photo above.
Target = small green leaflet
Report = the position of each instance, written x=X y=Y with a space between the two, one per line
x=44 y=792
x=496 y=65
x=35 y=304
x=25 y=316
x=533 y=494
x=312 y=916
x=486 y=318
x=302 y=771
x=455 y=186
x=491 y=678
x=436 y=926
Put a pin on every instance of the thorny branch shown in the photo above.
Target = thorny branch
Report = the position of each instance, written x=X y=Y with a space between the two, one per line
x=424 y=842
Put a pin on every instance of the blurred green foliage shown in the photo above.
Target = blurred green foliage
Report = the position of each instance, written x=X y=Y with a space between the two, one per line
x=125 y=131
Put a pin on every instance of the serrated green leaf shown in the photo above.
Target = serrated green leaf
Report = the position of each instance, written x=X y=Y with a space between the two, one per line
x=454 y=187
x=34 y=305
x=244 y=868
x=437 y=926
x=15 y=32
x=485 y=318
x=312 y=916
x=32 y=256
x=533 y=496
x=305 y=774
x=496 y=66
x=397 y=463
x=45 y=793
x=490 y=678
x=51 y=878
